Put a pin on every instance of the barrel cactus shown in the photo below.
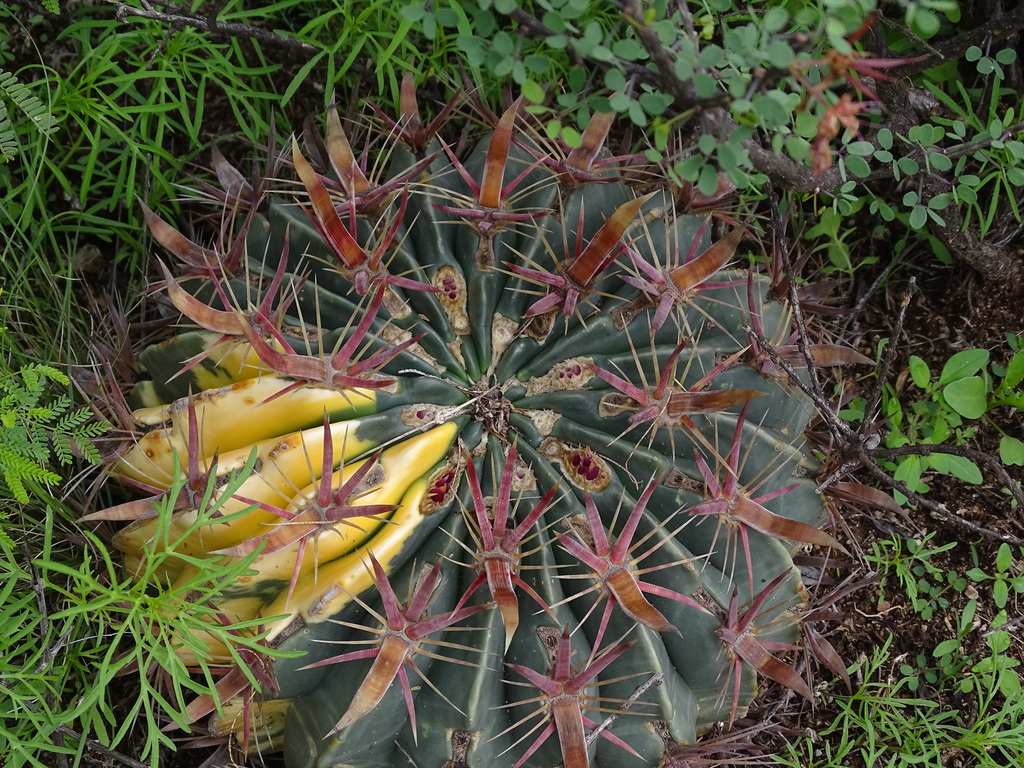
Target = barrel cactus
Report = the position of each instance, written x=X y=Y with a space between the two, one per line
x=524 y=476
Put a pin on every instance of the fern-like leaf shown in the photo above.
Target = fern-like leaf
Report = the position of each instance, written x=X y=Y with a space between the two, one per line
x=19 y=94
x=36 y=431
x=8 y=142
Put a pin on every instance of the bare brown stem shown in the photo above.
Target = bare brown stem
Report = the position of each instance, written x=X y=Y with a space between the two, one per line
x=179 y=17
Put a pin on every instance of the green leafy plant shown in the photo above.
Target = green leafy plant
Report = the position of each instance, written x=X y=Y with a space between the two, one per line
x=36 y=429
x=35 y=113
x=34 y=674
x=103 y=659
x=945 y=664
x=1005 y=579
x=879 y=726
x=909 y=561
x=930 y=589
x=607 y=56
x=966 y=390
x=978 y=149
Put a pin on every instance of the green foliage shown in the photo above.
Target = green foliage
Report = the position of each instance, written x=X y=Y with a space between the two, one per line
x=35 y=429
x=32 y=678
x=590 y=56
x=944 y=666
x=128 y=113
x=1007 y=576
x=909 y=563
x=100 y=656
x=779 y=72
x=831 y=233
x=35 y=113
x=878 y=725
x=925 y=17
x=966 y=390
x=123 y=109
x=991 y=65
x=883 y=722
x=976 y=145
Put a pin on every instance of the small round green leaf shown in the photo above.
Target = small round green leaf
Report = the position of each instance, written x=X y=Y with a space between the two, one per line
x=536 y=63
x=629 y=49
x=532 y=91
x=858 y=166
x=966 y=194
x=775 y=18
x=1006 y=56
x=708 y=181
x=779 y=54
x=614 y=80
x=413 y=12
x=920 y=374
x=654 y=103
x=554 y=21
x=1011 y=451
x=908 y=165
x=637 y=114
x=924 y=23
x=967 y=396
x=939 y=161
x=710 y=56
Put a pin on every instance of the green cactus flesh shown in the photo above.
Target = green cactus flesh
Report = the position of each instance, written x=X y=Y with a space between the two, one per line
x=599 y=519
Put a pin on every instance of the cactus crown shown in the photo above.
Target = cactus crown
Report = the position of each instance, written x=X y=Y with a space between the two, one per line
x=526 y=487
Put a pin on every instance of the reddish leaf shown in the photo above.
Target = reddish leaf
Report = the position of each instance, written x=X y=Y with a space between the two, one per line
x=750 y=649
x=858 y=493
x=825 y=653
x=175 y=242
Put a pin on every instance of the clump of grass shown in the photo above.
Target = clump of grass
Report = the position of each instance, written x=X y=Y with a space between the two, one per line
x=882 y=723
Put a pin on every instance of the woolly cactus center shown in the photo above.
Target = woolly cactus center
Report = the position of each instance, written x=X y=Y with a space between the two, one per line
x=491 y=408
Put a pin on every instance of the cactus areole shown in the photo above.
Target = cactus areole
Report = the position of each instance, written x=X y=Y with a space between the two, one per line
x=525 y=492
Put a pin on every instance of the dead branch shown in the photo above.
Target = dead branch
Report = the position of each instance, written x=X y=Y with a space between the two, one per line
x=179 y=17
